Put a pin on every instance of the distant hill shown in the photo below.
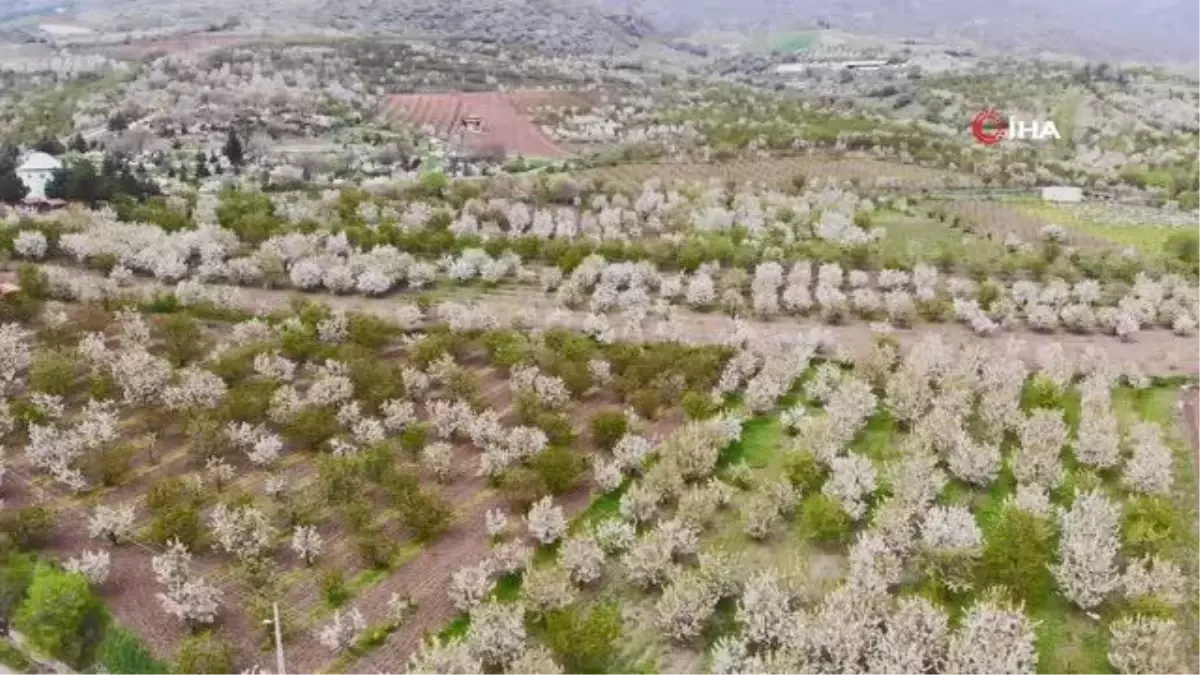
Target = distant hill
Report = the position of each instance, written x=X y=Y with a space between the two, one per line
x=553 y=26
x=1149 y=30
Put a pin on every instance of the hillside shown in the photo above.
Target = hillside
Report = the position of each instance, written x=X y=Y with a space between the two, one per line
x=1158 y=30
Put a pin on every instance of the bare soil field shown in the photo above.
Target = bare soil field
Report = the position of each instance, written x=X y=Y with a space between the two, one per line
x=503 y=124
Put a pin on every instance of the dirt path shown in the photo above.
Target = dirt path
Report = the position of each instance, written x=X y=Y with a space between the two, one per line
x=1156 y=351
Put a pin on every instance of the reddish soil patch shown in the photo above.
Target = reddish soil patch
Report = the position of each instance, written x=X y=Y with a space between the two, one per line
x=501 y=124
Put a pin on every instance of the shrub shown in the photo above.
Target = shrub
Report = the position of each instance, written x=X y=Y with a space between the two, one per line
x=558 y=467
x=375 y=549
x=109 y=465
x=183 y=340
x=171 y=492
x=312 y=427
x=523 y=486
x=698 y=405
x=333 y=588
x=181 y=522
x=122 y=652
x=1018 y=552
x=431 y=348
x=369 y=331
x=16 y=574
x=646 y=402
x=1150 y=526
x=248 y=401
x=413 y=438
x=506 y=348
x=427 y=514
x=53 y=372
x=207 y=652
x=339 y=478
x=376 y=382
x=822 y=519
x=608 y=428
x=585 y=641
x=237 y=364
x=27 y=528
x=19 y=307
x=805 y=471
x=557 y=427
x=61 y=615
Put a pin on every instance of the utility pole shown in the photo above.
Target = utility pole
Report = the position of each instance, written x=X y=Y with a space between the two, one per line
x=279 y=667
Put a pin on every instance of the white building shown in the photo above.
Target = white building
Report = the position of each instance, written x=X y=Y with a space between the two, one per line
x=1062 y=194
x=35 y=172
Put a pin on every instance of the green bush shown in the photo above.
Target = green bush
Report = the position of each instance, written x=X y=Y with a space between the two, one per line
x=559 y=468
x=237 y=364
x=427 y=514
x=522 y=486
x=248 y=401
x=805 y=471
x=608 y=428
x=369 y=331
x=585 y=641
x=823 y=520
x=183 y=339
x=16 y=574
x=169 y=493
x=333 y=588
x=312 y=427
x=61 y=615
x=698 y=405
x=375 y=381
x=1151 y=526
x=1020 y=547
x=375 y=549
x=53 y=372
x=557 y=427
x=413 y=438
x=506 y=348
x=181 y=521
x=28 y=528
x=207 y=652
x=121 y=651
x=109 y=465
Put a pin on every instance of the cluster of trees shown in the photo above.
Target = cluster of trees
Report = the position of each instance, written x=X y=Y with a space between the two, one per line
x=80 y=181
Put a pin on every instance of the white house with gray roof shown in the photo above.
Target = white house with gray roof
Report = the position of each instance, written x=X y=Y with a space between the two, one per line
x=36 y=171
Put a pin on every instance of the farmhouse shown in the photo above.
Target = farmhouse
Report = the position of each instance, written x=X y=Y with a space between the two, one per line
x=36 y=171
x=1062 y=194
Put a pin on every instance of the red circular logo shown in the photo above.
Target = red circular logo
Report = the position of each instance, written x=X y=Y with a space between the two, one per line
x=989 y=127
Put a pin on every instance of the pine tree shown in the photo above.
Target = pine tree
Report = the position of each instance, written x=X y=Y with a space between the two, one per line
x=233 y=149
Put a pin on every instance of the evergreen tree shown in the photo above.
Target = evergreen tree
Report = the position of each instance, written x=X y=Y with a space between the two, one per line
x=50 y=146
x=233 y=149
x=12 y=190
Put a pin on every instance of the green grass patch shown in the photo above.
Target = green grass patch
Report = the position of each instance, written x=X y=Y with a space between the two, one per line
x=1148 y=238
x=16 y=660
x=1067 y=640
x=878 y=438
x=122 y=651
x=758 y=444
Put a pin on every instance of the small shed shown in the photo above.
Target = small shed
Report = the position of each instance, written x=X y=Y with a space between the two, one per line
x=1062 y=194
